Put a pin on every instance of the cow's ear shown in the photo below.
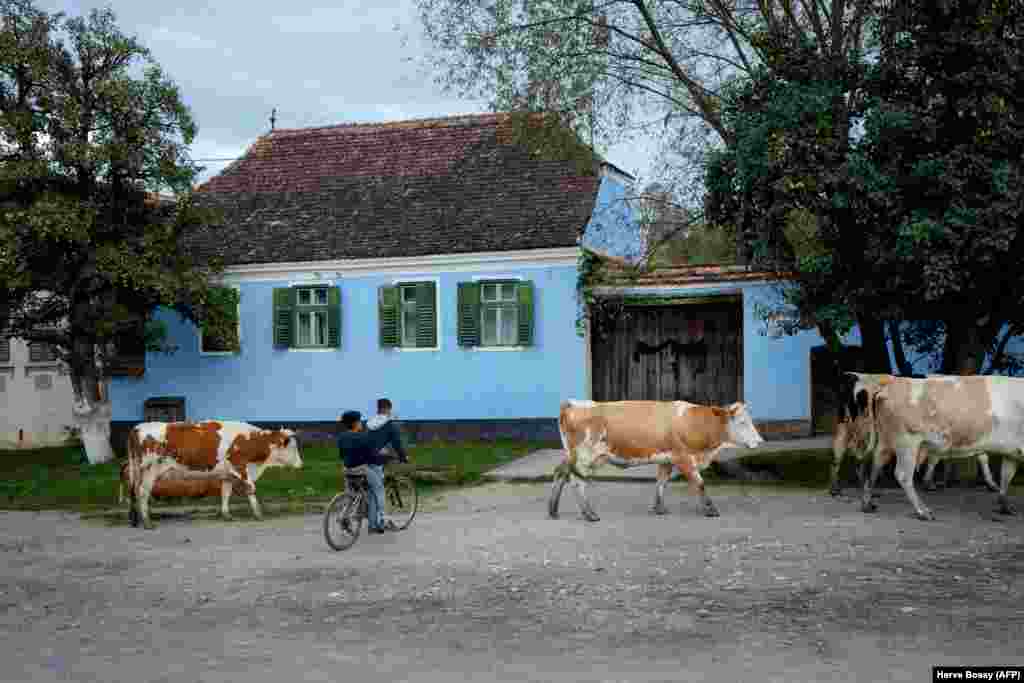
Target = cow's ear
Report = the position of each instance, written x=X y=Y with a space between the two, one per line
x=734 y=408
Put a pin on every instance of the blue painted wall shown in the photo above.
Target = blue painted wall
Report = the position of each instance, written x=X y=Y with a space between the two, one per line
x=265 y=383
x=614 y=227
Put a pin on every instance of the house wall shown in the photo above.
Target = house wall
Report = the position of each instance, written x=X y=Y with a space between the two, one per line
x=614 y=227
x=266 y=384
x=33 y=415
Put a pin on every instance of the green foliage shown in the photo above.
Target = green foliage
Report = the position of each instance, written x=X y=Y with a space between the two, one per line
x=220 y=319
x=701 y=245
x=91 y=128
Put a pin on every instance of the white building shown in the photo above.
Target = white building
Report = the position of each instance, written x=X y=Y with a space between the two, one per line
x=35 y=396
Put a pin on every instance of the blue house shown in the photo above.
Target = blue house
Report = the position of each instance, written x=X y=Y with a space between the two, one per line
x=433 y=262
x=436 y=262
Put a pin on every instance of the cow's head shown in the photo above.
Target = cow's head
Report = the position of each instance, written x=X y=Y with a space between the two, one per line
x=741 y=426
x=285 y=449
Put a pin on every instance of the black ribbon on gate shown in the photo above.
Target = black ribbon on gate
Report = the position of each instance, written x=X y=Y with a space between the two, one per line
x=697 y=348
x=697 y=351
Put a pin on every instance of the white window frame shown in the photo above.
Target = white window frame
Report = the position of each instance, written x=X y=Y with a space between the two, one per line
x=238 y=315
x=299 y=309
x=399 y=282
x=312 y=282
x=483 y=279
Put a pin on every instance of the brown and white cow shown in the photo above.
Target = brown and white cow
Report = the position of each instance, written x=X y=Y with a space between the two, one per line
x=670 y=434
x=950 y=416
x=228 y=453
x=855 y=432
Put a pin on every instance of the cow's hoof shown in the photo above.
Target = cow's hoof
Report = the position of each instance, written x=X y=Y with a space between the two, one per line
x=868 y=507
x=659 y=510
x=925 y=516
x=835 y=491
x=227 y=518
x=992 y=487
x=929 y=486
x=258 y=517
x=149 y=526
x=1006 y=509
x=591 y=517
x=133 y=517
x=552 y=515
x=710 y=511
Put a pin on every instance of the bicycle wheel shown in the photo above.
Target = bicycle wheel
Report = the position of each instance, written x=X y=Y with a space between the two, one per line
x=400 y=500
x=343 y=521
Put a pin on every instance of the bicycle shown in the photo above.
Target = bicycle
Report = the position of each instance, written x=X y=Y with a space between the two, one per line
x=343 y=520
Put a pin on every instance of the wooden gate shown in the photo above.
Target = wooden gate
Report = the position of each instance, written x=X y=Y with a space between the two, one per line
x=690 y=351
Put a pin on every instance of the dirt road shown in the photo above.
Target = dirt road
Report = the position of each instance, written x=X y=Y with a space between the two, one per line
x=784 y=586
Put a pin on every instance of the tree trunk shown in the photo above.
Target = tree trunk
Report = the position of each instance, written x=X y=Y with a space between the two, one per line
x=876 y=353
x=902 y=365
x=91 y=409
x=964 y=347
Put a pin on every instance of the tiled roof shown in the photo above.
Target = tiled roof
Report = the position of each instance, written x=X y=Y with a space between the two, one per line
x=616 y=272
x=409 y=188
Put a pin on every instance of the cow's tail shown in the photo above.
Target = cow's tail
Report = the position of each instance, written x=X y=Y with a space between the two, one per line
x=134 y=474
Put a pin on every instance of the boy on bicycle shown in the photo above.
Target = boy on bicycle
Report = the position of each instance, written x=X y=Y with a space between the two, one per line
x=357 y=447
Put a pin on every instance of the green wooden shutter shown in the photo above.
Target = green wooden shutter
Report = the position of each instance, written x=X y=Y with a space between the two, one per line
x=334 y=317
x=387 y=307
x=469 y=314
x=524 y=293
x=284 y=307
x=426 y=315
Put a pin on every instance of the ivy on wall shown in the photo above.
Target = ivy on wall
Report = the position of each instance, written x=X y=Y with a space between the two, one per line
x=603 y=313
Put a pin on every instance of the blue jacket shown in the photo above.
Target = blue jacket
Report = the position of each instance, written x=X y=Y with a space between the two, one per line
x=363 y=448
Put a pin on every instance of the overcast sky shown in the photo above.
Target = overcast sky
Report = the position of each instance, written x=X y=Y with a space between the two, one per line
x=318 y=63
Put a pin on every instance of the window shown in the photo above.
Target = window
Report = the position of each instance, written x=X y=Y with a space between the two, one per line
x=5 y=350
x=42 y=352
x=496 y=313
x=499 y=313
x=311 y=317
x=307 y=317
x=408 y=315
x=223 y=312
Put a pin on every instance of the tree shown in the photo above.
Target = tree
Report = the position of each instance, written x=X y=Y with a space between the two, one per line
x=946 y=137
x=88 y=249
x=917 y=219
x=614 y=67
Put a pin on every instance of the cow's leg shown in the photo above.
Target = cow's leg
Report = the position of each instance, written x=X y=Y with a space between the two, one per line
x=581 y=499
x=558 y=481
x=664 y=473
x=253 y=502
x=838 y=451
x=866 y=504
x=929 y=475
x=225 y=500
x=1009 y=469
x=906 y=463
x=688 y=467
x=986 y=472
x=146 y=483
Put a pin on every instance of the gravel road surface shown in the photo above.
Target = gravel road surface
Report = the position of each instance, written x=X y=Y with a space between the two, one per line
x=784 y=586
